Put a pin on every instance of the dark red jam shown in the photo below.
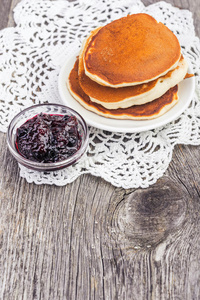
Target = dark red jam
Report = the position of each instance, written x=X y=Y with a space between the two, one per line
x=48 y=138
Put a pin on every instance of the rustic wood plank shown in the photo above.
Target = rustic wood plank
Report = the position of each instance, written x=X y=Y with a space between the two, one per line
x=10 y=17
x=90 y=240
x=4 y=12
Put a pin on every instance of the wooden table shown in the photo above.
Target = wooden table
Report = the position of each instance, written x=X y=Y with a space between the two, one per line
x=90 y=240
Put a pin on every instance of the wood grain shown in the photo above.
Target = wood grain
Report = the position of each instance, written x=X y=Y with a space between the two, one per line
x=4 y=12
x=90 y=240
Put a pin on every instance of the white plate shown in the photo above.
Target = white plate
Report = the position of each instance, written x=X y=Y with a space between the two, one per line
x=186 y=90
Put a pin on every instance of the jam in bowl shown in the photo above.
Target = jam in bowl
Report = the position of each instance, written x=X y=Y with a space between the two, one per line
x=47 y=137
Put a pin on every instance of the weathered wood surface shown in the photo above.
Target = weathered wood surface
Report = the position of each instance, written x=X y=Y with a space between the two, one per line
x=90 y=240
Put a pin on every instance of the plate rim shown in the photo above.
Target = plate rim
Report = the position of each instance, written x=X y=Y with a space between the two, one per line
x=150 y=124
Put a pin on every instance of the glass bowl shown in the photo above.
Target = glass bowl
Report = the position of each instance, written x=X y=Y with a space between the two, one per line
x=29 y=113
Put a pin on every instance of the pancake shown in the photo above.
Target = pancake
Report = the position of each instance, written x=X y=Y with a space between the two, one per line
x=129 y=51
x=149 y=110
x=113 y=98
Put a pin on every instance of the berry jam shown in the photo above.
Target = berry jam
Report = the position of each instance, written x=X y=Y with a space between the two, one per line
x=48 y=138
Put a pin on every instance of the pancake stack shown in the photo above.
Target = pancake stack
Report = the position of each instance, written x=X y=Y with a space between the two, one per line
x=129 y=69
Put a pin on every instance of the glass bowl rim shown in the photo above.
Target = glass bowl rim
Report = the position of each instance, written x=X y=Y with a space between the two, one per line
x=47 y=166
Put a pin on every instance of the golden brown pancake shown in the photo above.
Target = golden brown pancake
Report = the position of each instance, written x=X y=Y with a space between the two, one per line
x=149 y=110
x=130 y=51
x=188 y=76
x=113 y=98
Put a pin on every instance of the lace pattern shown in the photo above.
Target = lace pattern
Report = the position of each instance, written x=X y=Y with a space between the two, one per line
x=31 y=55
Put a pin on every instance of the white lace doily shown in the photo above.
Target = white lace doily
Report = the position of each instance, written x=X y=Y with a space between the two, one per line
x=31 y=55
